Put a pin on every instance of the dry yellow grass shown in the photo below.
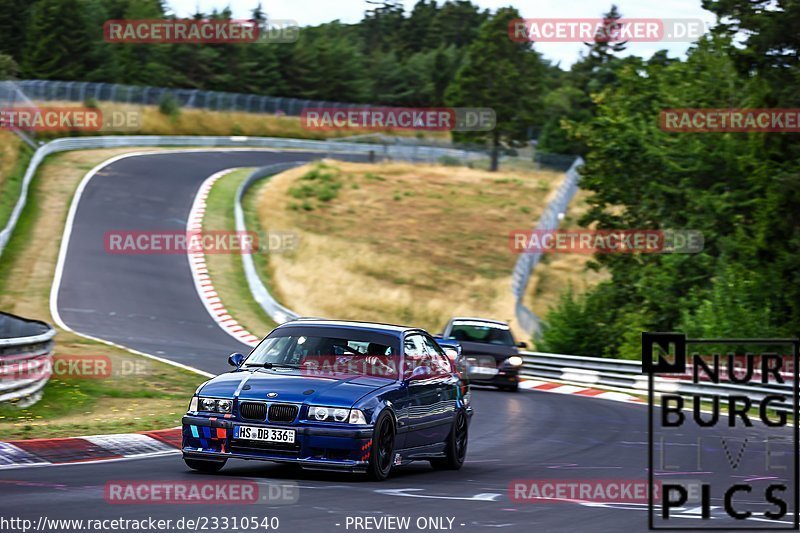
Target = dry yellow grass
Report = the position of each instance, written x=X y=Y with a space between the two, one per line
x=403 y=243
x=9 y=154
x=205 y=122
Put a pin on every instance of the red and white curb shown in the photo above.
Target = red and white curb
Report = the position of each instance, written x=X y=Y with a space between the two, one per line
x=197 y=264
x=48 y=452
x=561 y=388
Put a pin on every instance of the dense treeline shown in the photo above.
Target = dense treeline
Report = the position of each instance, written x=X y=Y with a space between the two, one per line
x=435 y=54
x=389 y=57
x=742 y=190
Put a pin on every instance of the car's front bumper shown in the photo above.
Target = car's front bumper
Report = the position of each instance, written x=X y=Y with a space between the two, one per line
x=341 y=448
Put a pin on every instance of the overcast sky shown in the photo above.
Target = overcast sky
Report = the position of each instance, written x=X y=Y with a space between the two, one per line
x=313 y=12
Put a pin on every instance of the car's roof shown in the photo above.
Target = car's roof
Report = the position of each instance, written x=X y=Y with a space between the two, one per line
x=477 y=319
x=321 y=322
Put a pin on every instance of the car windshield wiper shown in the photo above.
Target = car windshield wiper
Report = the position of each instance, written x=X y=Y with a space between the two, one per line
x=272 y=365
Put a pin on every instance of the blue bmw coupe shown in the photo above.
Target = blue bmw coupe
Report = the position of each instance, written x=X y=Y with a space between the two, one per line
x=351 y=396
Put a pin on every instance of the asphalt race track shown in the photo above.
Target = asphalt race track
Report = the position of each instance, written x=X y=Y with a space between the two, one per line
x=149 y=303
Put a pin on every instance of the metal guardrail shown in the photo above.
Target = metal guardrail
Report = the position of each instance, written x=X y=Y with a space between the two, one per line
x=626 y=376
x=415 y=153
x=261 y=294
x=550 y=220
x=26 y=348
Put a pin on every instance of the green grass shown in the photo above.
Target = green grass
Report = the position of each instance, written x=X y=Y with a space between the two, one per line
x=226 y=270
x=153 y=398
x=250 y=204
x=20 y=238
x=11 y=186
x=322 y=183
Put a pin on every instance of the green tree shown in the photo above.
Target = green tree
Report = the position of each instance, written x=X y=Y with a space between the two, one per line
x=14 y=16
x=58 y=41
x=144 y=64
x=571 y=101
x=501 y=74
x=8 y=67
x=458 y=23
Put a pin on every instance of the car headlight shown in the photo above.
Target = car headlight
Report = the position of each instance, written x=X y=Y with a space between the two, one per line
x=321 y=413
x=208 y=404
x=357 y=417
x=514 y=360
x=193 y=404
x=212 y=405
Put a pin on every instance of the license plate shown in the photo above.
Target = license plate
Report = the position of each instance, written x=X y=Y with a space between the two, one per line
x=478 y=368
x=482 y=370
x=264 y=434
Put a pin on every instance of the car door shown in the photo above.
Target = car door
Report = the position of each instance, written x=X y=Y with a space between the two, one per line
x=423 y=393
x=446 y=387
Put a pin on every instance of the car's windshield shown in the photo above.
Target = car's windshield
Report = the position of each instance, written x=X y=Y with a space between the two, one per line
x=485 y=332
x=328 y=355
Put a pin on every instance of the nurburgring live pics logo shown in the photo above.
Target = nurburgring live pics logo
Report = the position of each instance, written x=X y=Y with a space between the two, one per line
x=746 y=463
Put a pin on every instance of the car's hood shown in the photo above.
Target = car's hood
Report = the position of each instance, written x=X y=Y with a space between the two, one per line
x=292 y=386
x=498 y=351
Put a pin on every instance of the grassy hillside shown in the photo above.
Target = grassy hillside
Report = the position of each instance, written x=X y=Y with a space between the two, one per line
x=397 y=242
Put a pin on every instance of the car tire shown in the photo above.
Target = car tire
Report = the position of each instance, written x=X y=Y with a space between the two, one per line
x=510 y=388
x=381 y=454
x=201 y=465
x=456 y=445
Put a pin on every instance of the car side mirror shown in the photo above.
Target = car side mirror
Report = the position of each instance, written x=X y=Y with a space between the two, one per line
x=235 y=359
x=522 y=344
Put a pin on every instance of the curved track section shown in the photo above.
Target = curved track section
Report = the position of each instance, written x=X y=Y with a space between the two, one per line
x=149 y=303
x=146 y=302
